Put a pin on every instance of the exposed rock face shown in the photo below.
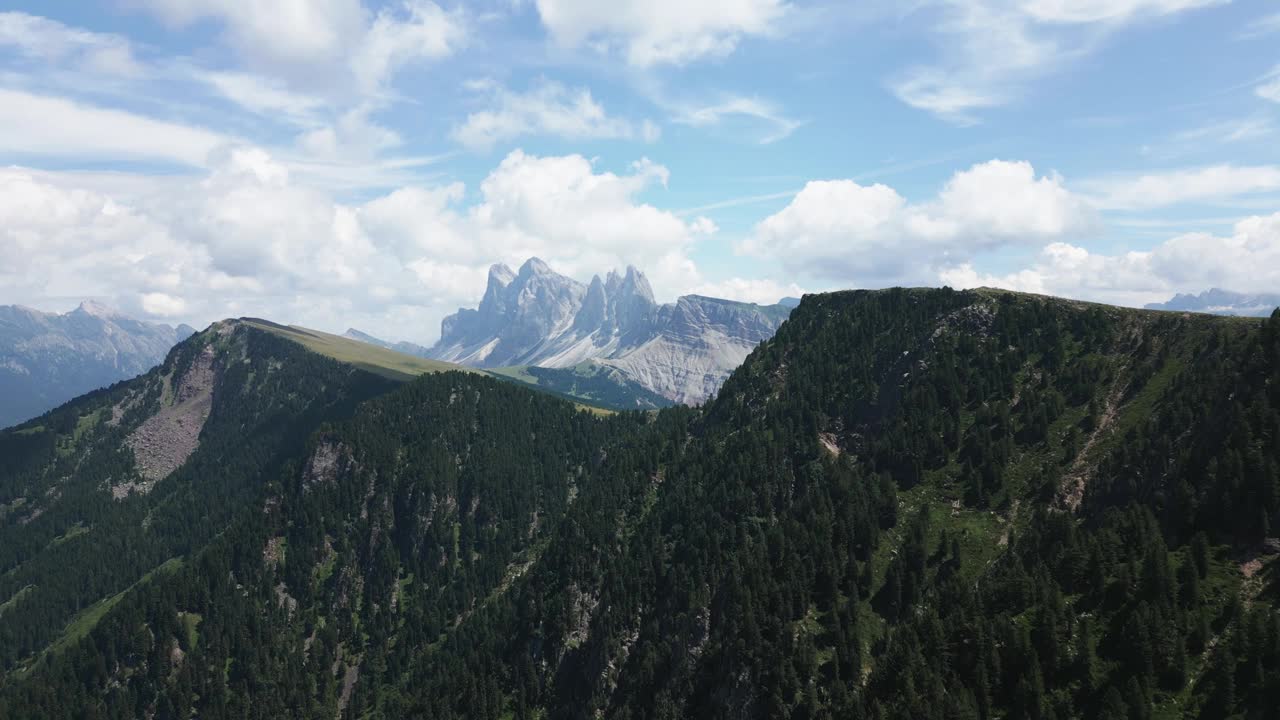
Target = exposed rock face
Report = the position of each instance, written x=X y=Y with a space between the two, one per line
x=519 y=321
x=329 y=460
x=47 y=359
x=1222 y=302
x=165 y=440
x=682 y=351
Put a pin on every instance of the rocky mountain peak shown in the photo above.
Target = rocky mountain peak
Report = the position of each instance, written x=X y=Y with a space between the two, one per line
x=49 y=358
x=540 y=317
x=97 y=309
x=595 y=307
x=535 y=266
x=500 y=275
x=635 y=284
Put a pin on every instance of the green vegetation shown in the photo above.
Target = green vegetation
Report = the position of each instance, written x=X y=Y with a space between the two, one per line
x=15 y=599
x=907 y=504
x=591 y=382
x=400 y=367
x=381 y=361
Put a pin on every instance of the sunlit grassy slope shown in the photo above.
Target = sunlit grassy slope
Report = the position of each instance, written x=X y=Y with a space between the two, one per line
x=382 y=361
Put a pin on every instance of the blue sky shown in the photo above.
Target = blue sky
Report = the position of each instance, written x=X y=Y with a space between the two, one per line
x=339 y=162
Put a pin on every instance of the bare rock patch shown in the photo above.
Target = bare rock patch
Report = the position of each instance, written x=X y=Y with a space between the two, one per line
x=163 y=442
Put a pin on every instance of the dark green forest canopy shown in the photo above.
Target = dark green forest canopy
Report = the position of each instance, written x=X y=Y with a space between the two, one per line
x=907 y=504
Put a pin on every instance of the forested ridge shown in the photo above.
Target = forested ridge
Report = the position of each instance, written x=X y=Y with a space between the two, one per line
x=907 y=504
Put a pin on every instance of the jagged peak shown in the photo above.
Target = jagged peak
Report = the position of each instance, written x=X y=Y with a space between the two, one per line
x=98 y=310
x=638 y=284
x=535 y=266
x=501 y=274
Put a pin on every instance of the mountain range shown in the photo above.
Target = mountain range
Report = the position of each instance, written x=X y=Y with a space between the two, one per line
x=1222 y=302
x=908 y=503
x=47 y=359
x=407 y=348
x=681 y=351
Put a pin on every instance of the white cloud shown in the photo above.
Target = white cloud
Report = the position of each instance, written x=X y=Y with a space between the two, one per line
x=352 y=136
x=334 y=48
x=547 y=108
x=263 y=95
x=290 y=32
x=850 y=232
x=1248 y=260
x=655 y=32
x=1264 y=25
x=991 y=49
x=780 y=126
x=1093 y=11
x=247 y=239
x=1005 y=200
x=1207 y=184
x=427 y=32
x=1229 y=131
x=40 y=125
x=1270 y=90
x=49 y=41
x=760 y=291
x=163 y=305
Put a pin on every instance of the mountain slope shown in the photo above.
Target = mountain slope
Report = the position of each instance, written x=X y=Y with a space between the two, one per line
x=537 y=317
x=377 y=359
x=906 y=504
x=47 y=359
x=103 y=490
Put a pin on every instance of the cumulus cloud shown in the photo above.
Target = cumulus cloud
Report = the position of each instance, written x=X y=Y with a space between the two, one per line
x=547 y=108
x=845 y=231
x=1247 y=260
x=248 y=239
x=163 y=305
x=656 y=32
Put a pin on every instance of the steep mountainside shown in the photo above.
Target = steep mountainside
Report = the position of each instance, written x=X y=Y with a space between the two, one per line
x=681 y=351
x=46 y=359
x=906 y=504
x=1223 y=302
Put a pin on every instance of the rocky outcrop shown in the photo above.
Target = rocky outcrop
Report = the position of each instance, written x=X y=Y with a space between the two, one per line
x=682 y=351
x=47 y=359
x=164 y=441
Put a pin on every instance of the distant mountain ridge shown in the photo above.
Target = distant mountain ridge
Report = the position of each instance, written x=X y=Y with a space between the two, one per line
x=407 y=348
x=47 y=359
x=1222 y=302
x=682 y=351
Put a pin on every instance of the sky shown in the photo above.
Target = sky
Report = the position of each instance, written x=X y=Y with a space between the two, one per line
x=359 y=163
